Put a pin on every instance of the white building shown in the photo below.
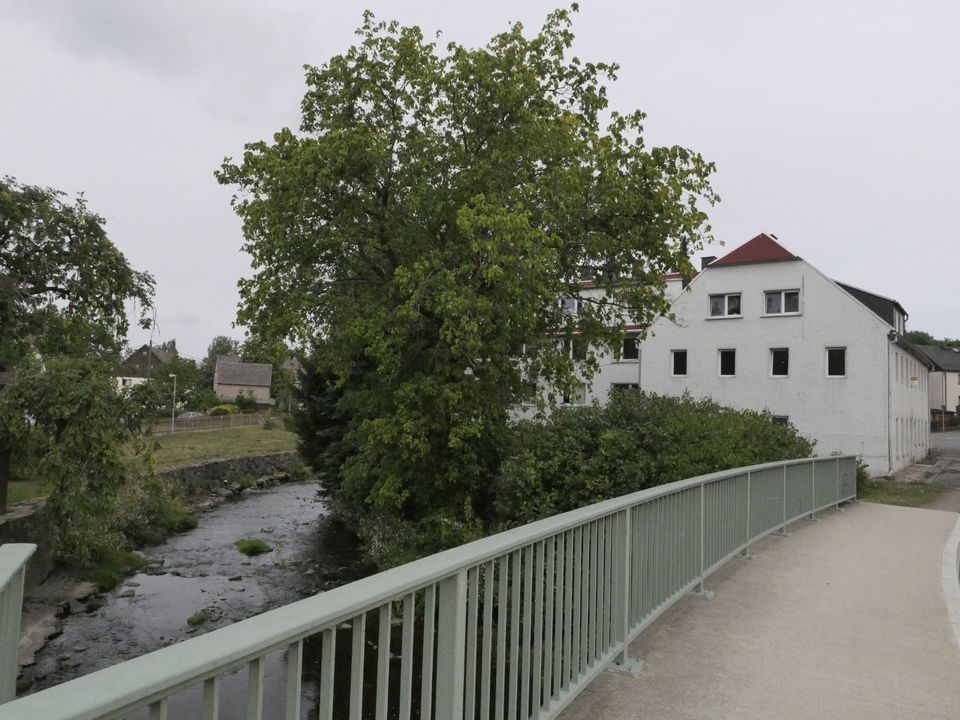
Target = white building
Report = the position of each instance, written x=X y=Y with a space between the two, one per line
x=762 y=329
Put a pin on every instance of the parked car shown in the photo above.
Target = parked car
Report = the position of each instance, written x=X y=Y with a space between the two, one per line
x=190 y=415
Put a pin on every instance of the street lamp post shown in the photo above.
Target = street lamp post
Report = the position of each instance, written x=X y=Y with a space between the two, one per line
x=173 y=405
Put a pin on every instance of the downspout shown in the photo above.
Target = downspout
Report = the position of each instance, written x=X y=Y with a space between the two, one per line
x=890 y=429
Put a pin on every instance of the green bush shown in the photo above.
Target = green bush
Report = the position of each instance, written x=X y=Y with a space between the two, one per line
x=246 y=403
x=224 y=409
x=581 y=456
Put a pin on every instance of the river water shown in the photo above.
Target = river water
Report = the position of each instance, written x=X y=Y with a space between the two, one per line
x=202 y=570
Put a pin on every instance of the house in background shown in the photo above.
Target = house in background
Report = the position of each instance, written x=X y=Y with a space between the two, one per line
x=139 y=365
x=944 y=392
x=761 y=329
x=232 y=378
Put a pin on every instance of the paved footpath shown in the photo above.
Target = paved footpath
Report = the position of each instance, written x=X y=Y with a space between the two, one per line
x=845 y=618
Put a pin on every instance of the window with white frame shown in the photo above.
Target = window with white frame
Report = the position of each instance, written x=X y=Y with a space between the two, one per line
x=725 y=305
x=571 y=305
x=678 y=362
x=836 y=362
x=576 y=396
x=781 y=302
x=779 y=362
x=576 y=347
x=728 y=363
x=630 y=350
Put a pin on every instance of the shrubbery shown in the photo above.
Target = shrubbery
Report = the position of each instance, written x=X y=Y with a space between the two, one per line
x=579 y=456
x=225 y=409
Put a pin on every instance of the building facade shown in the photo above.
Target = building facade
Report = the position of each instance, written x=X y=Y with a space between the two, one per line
x=140 y=365
x=762 y=329
x=232 y=378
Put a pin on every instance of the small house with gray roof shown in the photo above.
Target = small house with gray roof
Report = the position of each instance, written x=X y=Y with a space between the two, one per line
x=232 y=378
x=944 y=390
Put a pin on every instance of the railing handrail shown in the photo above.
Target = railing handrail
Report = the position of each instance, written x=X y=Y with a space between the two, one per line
x=162 y=672
x=13 y=569
x=13 y=556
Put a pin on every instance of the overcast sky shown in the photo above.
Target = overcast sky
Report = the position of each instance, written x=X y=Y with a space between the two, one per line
x=834 y=125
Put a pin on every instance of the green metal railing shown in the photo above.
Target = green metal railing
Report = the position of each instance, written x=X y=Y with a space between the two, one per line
x=509 y=627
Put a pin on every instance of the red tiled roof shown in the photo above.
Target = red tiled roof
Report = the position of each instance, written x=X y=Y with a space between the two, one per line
x=761 y=249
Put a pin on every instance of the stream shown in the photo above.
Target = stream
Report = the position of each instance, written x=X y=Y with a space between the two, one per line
x=202 y=570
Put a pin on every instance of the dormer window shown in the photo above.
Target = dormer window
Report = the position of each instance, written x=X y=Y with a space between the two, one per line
x=724 y=305
x=781 y=302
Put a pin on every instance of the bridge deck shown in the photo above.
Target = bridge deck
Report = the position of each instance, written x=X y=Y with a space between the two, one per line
x=846 y=618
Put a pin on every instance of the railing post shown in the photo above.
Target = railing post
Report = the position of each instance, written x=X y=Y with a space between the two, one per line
x=813 y=489
x=700 y=590
x=625 y=596
x=703 y=506
x=837 y=466
x=783 y=510
x=746 y=545
x=13 y=568
x=451 y=645
x=623 y=662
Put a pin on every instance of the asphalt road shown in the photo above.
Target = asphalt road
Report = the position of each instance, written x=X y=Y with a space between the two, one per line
x=945 y=449
x=945 y=444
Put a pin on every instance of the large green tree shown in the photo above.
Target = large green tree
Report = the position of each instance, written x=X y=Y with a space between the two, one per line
x=423 y=223
x=65 y=289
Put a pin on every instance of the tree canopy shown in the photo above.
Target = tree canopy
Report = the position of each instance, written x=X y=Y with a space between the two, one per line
x=921 y=337
x=419 y=229
x=64 y=292
x=63 y=284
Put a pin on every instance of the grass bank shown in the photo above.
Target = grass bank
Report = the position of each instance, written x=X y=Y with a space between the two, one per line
x=191 y=447
x=888 y=492
x=20 y=490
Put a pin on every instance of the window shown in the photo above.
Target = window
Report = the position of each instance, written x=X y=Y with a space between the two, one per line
x=836 y=362
x=722 y=305
x=780 y=420
x=728 y=363
x=781 y=302
x=631 y=348
x=679 y=362
x=779 y=362
x=623 y=387
x=576 y=348
x=577 y=396
x=126 y=382
x=529 y=393
x=571 y=305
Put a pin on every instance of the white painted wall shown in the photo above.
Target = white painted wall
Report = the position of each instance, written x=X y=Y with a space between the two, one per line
x=128 y=381
x=846 y=414
x=909 y=411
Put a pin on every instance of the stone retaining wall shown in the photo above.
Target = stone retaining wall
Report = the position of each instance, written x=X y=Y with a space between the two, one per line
x=213 y=475
x=29 y=522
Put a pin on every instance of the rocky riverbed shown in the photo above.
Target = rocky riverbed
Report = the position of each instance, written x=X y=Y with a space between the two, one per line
x=199 y=581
